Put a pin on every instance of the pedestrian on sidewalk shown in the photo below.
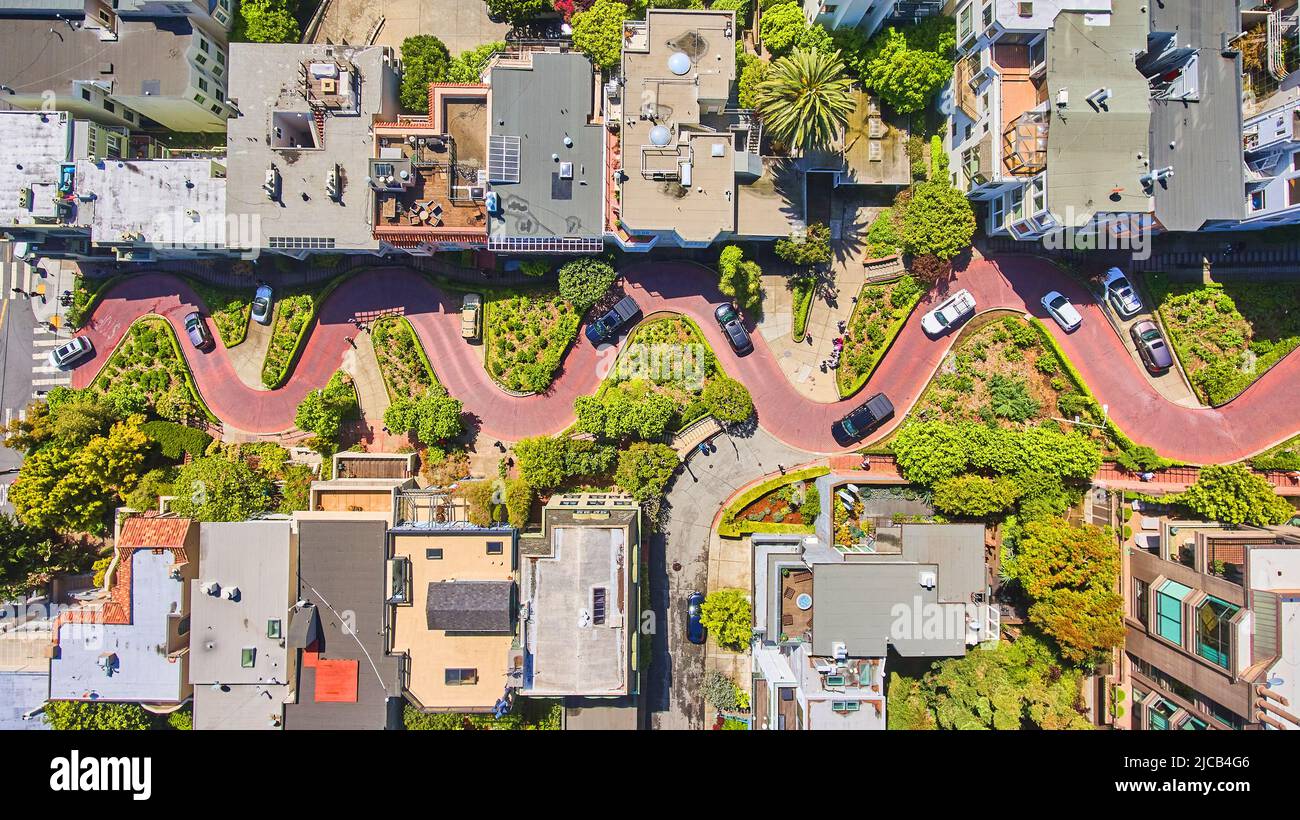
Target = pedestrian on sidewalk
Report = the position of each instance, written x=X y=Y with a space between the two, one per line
x=348 y=339
x=1147 y=476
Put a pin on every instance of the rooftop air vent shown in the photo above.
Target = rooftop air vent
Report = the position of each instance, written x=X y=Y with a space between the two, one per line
x=660 y=136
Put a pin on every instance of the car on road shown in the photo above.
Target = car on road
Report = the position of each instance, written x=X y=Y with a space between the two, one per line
x=262 y=303
x=1151 y=346
x=470 y=309
x=197 y=330
x=69 y=353
x=1065 y=314
x=948 y=313
x=695 y=631
x=729 y=321
x=857 y=424
x=607 y=326
x=1121 y=294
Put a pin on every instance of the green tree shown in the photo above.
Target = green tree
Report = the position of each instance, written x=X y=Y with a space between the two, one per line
x=906 y=67
x=805 y=98
x=1086 y=624
x=753 y=70
x=434 y=417
x=882 y=235
x=152 y=484
x=974 y=495
x=546 y=462
x=598 y=32
x=740 y=279
x=810 y=247
x=424 y=60
x=266 y=21
x=219 y=489
x=937 y=220
x=583 y=281
x=517 y=12
x=729 y=616
x=727 y=400
x=1052 y=554
x=322 y=411
x=468 y=66
x=1232 y=494
x=29 y=557
x=64 y=715
x=782 y=27
x=627 y=410
x=644 y=469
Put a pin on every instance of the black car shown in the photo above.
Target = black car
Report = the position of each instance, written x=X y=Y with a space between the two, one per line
x=695 y=631
x=607 y=326
x=856 y=425
x=1151 y=346
x=729 y=321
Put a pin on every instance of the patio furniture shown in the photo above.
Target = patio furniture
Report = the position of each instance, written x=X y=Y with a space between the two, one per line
x=789 y=593
x=787 y=620
x=436 y=209
x=1149 y=523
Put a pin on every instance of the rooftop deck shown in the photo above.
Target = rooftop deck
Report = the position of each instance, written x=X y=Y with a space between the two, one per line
x=796 y=622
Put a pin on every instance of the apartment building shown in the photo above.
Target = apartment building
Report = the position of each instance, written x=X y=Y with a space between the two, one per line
x=868 y=15
x=155 y=66
x=1213 y=619
x=831 y=610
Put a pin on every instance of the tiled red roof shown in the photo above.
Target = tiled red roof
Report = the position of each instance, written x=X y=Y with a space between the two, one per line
x=154 y=531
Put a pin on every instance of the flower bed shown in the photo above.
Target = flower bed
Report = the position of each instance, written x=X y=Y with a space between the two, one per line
x=877 y=317
x=527 y=335
x=229 y=309
x=147 y=372
x=733 y=523
x=402 y=361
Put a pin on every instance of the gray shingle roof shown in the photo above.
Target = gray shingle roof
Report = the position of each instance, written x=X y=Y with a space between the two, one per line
x=471 y=606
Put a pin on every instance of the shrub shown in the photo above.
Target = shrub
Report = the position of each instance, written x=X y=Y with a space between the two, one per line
x=175 y=440
x=812 y=247
x=930 y=269
x=938 y=220
x=265 y=21
x=1232 y=494
x=434 y=417
x=882 y=235
x=584 y=281
x=644 y=469
x=720 y=691
x=974 y=495
x=424 y=60
x=727 y=400
x=598 y=32
x=782 y=26
x=729 y=616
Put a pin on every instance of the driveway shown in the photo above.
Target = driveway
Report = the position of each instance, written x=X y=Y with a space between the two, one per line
x=672 y=688
x=1258 y=419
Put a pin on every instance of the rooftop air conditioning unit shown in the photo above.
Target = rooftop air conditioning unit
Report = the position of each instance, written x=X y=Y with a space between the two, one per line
x=232 y=593
x=840 y=651
x=566 y=170
x=332 y=183
x=272 y=182
x=928 y=580
x=211 y=588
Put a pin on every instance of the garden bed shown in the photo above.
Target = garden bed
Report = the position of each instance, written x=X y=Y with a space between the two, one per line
x=734 y=524
x=402 y=360
x=229 y=309
x=148 y=373
x=877 y=317
x=1227 y=335
x=527 y=335
x=294 y=313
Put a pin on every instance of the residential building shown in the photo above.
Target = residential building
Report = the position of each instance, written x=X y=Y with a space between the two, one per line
x=1051 y=116
x=868 y=15
x=336 y=637
x=131 y=644
x=364 y=482
x=452 y=605
x=581 y=599
x=1212 y=615
x=830 y=610
x=240 y=665
x=300 y=149
x=156 y=66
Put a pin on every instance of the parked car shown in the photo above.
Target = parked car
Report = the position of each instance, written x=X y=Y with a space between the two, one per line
x=729 y=321
x=197 y=330
x=69 y=353
x=857 y=424
x=948 y=313
x=1121 y=295
x=470 y=309
x=607 y=326
x=1065 y=314
x=262 y=303
x=1151 y=346
x=695 y=631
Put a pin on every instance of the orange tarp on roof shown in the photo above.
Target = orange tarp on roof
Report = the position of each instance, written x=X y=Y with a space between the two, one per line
x=336 y=681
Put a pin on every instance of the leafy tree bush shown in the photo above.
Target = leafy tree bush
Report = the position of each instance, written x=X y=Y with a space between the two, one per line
x=424 y=60
x=219 y=489
x=1232 y=494
x=546 y=462
x=907 y=66
x=153 y=484
x=727 y=400
x=64 y=715
x=882 y=235
x=740 y=279
x=517 y=12
x=729 y=616
x=644 y=469
x=752 y=72
x=1140 y=458
x=30 y=556
x=937 y=220
x=598 y=32
x=1086 y=624
x=628 y=410
x=805 y=98
x=974 y=495
x=468 y=66
x=434 y=417
x=782 y=26
x=1010 y=398
x=812 y=247
x=584 y=281
x=323 y=411
x=929 y=452
x=175 y=440
x=266 y=21
x=720 y=691
x=742 y=8
x=930 y=269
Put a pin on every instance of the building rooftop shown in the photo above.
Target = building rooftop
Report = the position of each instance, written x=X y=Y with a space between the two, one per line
x=872 y=149
x=678 y=176
x=291 y=118
x=168 y=202
x=39 y=144
x=341 y=571
x=581 y=604
x=544 y=107
x=241 y=640
x=1094 y=145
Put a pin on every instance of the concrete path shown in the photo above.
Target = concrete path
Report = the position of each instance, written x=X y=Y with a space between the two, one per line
x=248 y=356
x=1260 y=418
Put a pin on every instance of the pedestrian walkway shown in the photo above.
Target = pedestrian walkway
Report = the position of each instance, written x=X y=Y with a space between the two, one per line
x=45 y=376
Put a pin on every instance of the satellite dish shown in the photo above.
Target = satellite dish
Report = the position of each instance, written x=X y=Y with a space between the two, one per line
x=660 y=136
x=679 y=63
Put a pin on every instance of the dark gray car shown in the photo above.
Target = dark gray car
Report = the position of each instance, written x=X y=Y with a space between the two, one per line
x=1151 y=346
x=729 y=321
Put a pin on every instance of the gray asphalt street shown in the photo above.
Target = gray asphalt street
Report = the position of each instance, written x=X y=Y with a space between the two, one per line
x=18 y=348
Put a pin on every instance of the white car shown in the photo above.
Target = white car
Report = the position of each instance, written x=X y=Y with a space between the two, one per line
x=1065 y=314
x=66 y=355
x=948 y=313
x=1121 y=294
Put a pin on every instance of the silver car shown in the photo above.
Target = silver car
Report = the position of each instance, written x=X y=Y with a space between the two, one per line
x=1060 y=309
x=948 y=313
x=262 y=303
x=66 y=355
x=1121 y=294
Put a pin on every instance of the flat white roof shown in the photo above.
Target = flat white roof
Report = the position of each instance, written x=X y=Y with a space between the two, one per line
x=165 y=201
x=35 y=144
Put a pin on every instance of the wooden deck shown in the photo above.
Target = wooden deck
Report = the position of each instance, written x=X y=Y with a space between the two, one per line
x=796 y=622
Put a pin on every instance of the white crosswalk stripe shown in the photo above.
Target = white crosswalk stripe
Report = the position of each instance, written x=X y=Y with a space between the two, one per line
x=4 y=494
x=65 y=380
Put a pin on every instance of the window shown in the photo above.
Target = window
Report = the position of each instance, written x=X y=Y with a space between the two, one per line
x=108 y=106
x=247 y=657
x=273 y=630
x=1025 y=9
x=203 y=45
x=433 y=554
x=1169 y=611
x=1159 y=713
x=199 y=98
x=965 y=22
x=1257 y=200
x=183 y=627
x=845 y=706
x=128 y=115
x=1037 y=195
x=199 y=59
x=495 y=548
x=221 y=56
x=85 y=93
x=300 y=242
x=216 y=109
x=1213 y=632
x=1295 y=161
x=1193 y=724
x=221 y=95
x=461 y=677
x=1141 y=601
x=203 y=84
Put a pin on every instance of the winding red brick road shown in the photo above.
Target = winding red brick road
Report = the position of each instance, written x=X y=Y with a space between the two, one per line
x=1261 y=417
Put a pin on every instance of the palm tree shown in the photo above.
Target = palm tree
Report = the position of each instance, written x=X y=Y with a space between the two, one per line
x=804 y=100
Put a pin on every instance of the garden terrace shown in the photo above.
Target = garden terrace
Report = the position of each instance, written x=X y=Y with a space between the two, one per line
x=796 y=622
x=526 y=335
